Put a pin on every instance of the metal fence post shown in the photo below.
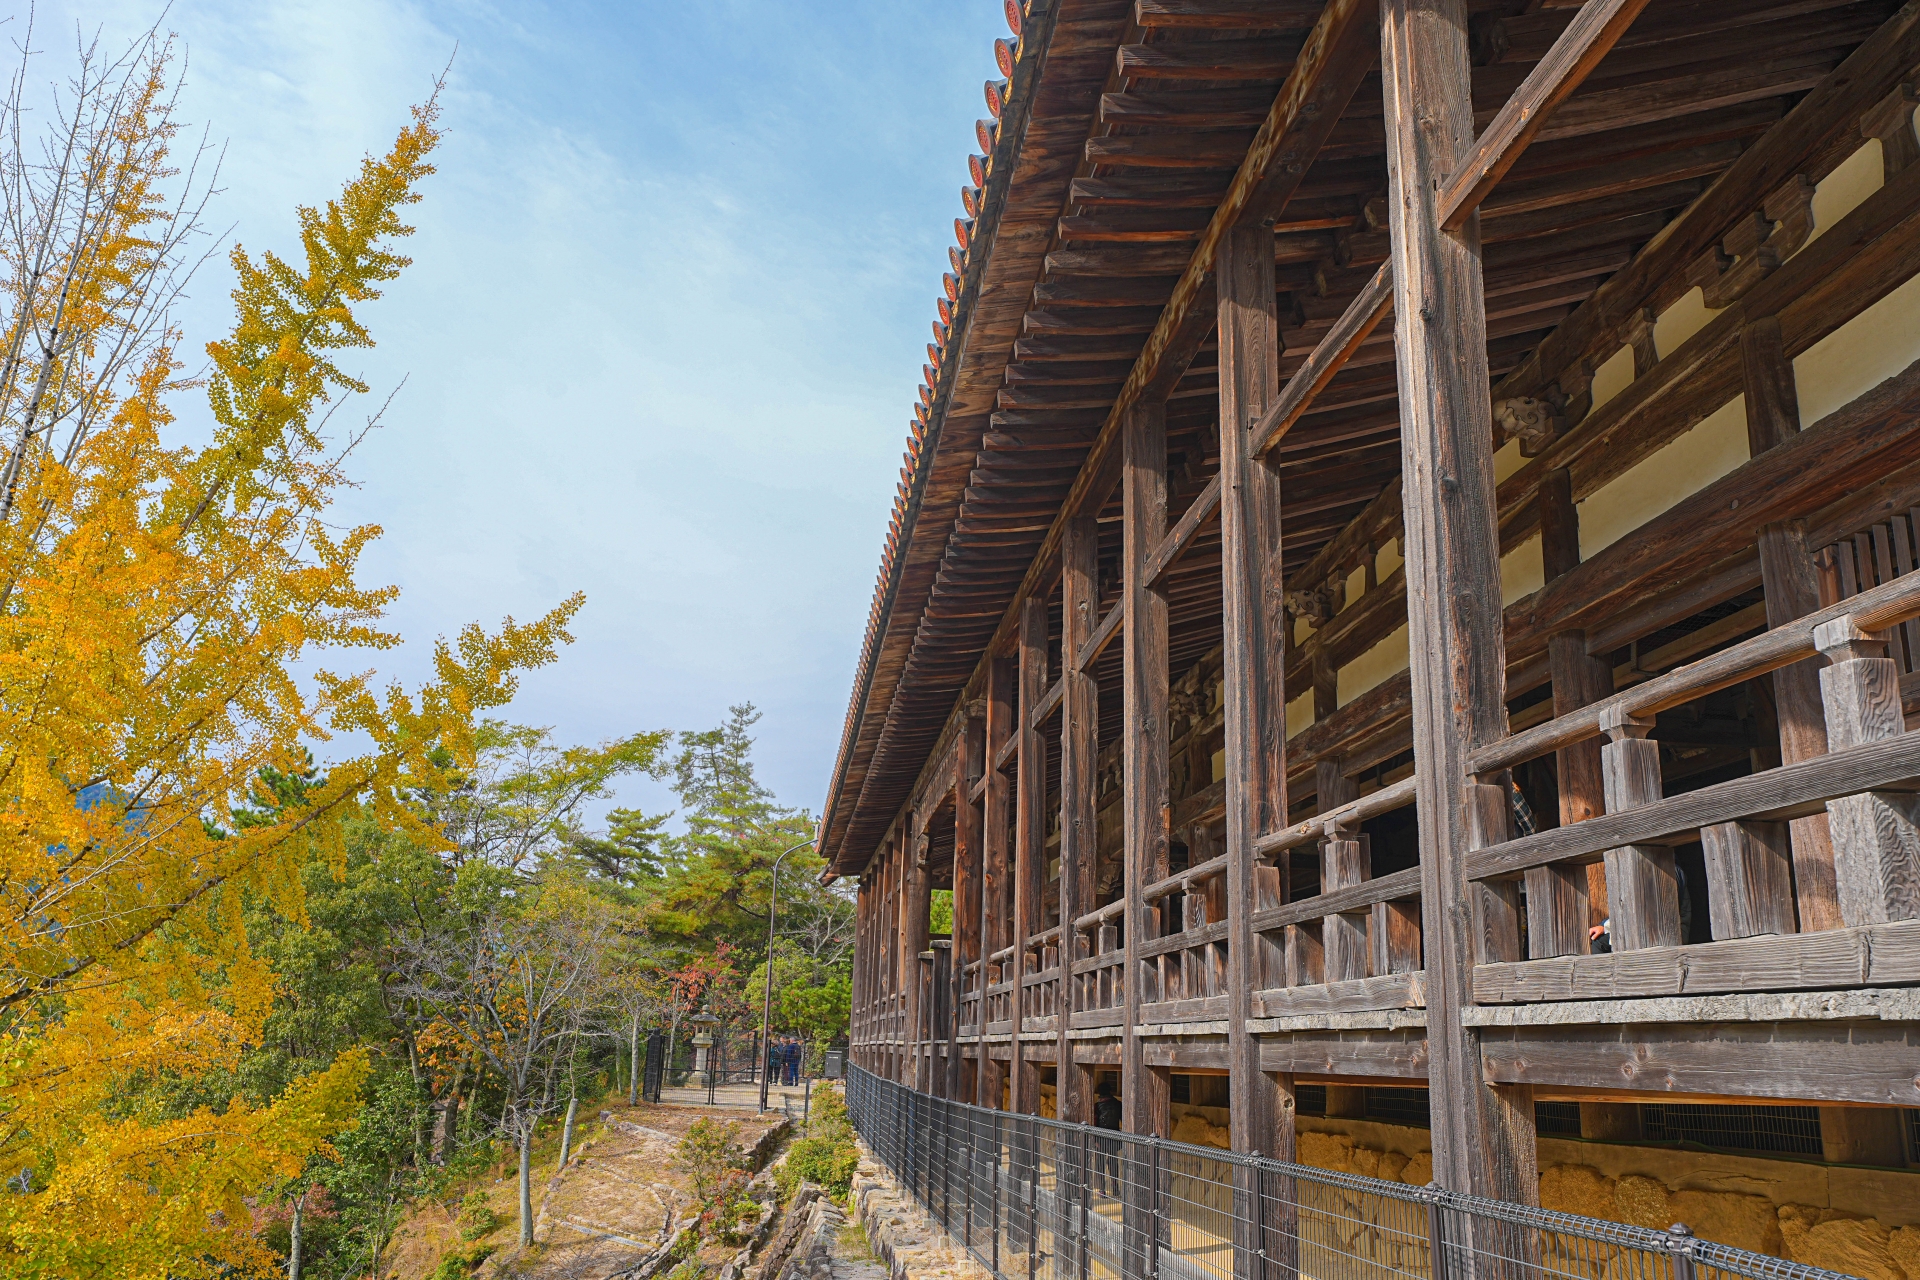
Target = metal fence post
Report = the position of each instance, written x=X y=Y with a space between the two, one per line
x=1031 y=1152
x=995 y=1222
x=1153 y=1207
x=1260 y=1216
x=1436 y=1233
x=966 y=1182
x=1682 y=1246
x=1086 y=1204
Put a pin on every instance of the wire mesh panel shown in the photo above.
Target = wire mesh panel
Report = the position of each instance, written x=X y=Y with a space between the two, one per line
x=1035 y=1199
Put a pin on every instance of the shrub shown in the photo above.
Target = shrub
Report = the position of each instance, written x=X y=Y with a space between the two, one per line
x=477 y=1217
x=827 y=1161
x=460 y=1264
x=711 y=1157
x=827 y=1155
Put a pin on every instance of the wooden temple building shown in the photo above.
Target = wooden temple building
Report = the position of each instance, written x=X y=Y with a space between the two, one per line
x=1400 y=619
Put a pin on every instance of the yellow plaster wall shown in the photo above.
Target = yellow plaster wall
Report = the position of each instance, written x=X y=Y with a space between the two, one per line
x=1388 y=561
x=1841 y=191
x=1300 y=713
x=1860 y=354
x=1388 y=658
x=1882 y=340
x=1507 y=460
x=1613 y=376
x=1522 y=571
x=1681 y=321
x=1714 y=447
x=1354 y=587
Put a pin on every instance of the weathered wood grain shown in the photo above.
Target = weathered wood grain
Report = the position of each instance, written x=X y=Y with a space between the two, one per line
x=1559 y=72
x=1824 y=1062
x=1181 y=536
x=1452 y=548
x=1143 y=735
x=1253 y=696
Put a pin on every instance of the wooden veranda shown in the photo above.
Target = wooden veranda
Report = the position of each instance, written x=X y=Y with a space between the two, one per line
x=1401 y=485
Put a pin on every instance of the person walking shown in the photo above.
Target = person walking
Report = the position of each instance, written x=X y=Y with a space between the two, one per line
x=793 y=1060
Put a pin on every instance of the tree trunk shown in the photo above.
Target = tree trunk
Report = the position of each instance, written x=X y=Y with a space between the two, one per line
x=566 y=1131
x=633 y=1066
x=293 y=1243
x=526 y=1184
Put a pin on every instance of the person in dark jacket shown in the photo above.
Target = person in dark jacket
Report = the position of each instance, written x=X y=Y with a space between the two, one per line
x=1106 y=1151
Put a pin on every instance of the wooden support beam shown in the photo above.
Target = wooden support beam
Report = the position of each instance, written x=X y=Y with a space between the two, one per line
x=1830 y=112
x=1253 y=623
x=1103 y=635
x=1563 y=903
x=1181 y=536
x=1334 y=58
x=1049 y=702
x=1573 y=56
x=1079 y=749
x=1784 y=1062
x=1481 y=1143
x=969 y=900
x=1885 y=955
x=1029 y=837
x=996 y=815
x=1144 y=1094
x=1355 y=325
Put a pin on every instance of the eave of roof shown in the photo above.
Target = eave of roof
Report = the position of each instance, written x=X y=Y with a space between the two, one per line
x=1049 y=101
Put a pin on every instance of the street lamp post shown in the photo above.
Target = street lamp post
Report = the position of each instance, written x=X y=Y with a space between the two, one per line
x=766 y=1008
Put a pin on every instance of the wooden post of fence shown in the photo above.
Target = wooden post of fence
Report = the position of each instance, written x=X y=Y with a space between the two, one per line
x=1876 y=836
x=1643 y=891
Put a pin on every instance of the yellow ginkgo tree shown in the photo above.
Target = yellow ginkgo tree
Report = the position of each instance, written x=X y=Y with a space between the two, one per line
x=168 y=616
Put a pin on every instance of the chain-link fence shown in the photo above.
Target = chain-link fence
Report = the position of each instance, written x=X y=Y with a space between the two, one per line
x=1040 y=1200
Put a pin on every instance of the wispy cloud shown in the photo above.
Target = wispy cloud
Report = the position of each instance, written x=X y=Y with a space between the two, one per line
x=672 y=286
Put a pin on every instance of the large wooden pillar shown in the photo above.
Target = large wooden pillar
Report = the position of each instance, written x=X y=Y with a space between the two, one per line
x=1030 y=837
x=1563 y=903
x=1254 y=623
x=1079 y=744
x=1143 y=741
x=1482 y=1136
x=996 y=888
x=862 y=956
x=1788 y=578
x=967 y=767
x=915 y=907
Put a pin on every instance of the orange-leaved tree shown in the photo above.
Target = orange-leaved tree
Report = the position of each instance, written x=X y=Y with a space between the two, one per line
x=168 y=612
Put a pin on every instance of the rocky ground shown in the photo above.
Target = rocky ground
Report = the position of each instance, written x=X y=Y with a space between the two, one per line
x=618 y=1203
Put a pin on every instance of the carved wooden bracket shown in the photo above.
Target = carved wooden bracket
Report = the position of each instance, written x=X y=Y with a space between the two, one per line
x=1756 y=245
x=1527 y=420
x=1316 y=606
x=1891 y=121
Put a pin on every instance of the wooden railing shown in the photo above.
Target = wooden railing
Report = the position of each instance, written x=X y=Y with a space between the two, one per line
x=1357 y=943
x=1865 y=784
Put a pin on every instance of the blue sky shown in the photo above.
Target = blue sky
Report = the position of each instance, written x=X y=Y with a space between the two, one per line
x=672 y=290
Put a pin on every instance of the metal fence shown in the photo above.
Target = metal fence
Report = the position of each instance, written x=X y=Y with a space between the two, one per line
x=1036 y=1199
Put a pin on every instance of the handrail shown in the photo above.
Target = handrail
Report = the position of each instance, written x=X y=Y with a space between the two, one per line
x=1318 y=827
x=1211 y=869
x=1872 y=610
x=1094 y=919
x=1789 y=791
